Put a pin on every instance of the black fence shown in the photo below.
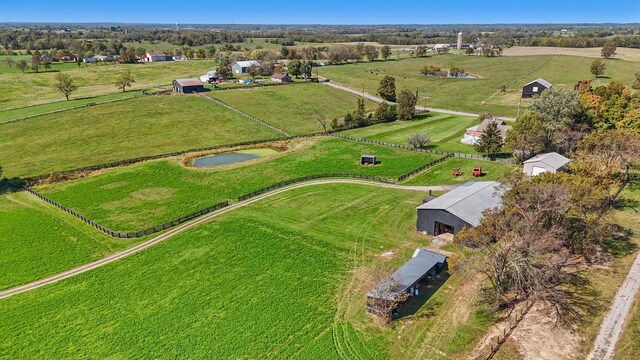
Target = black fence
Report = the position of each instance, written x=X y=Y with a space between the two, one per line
x=466 y=156
x=245 y=115
x=132 y=234
x=424 y=167
x=31 y=180
x=312 y=177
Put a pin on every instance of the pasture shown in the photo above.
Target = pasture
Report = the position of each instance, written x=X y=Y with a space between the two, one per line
x=476 y=95
x=28 y=89
x=291 y=108
x=441 y=173
x=39 y=240
x=445 y=131
x=120 y=130
x=139 y=196
x=266 y=281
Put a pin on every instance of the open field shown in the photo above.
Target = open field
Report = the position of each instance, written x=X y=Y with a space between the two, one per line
x=627 y=54
x=147 y=194
x=39 y=240
x=475 y=95
x=120 y=130
x=445 y=131
x=263 y=281
x=22 y=90
x=291 y=108
x=441 y=173
x=9 y=115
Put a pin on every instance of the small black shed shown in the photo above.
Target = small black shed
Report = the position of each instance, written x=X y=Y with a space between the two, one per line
x=536 y=87
x=367 y=159
x=187 y=86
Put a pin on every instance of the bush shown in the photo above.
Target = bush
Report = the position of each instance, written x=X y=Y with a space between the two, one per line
x=432 y=70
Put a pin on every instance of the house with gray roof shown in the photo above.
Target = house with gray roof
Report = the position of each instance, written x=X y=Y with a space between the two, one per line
x=423 y=264
x=549 y=162
x=536 y=87
x=241 y=67
x=459 y=208
x=472 y=134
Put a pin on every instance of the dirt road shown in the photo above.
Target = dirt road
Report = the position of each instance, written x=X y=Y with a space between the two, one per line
x=203 y=219
x=613 y=323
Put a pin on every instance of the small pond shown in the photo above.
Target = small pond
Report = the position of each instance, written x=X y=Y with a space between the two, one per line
x=224 y=159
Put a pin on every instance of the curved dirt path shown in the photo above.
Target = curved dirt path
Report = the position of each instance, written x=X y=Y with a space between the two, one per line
x=613 y=323
x=188 y=225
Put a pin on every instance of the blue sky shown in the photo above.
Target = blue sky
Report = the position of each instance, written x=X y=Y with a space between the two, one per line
x=323 y=11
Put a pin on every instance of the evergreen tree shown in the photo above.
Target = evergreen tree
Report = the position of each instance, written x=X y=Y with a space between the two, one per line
x=387 y=88
x=490 y=141
x=406 y=108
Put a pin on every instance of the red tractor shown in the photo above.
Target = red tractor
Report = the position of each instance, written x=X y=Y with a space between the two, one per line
x=477 y=171
x=456 y=172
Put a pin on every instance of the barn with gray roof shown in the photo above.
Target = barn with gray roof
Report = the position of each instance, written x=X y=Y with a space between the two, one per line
x=459 y=208
x=550 y=162
x=536 y=87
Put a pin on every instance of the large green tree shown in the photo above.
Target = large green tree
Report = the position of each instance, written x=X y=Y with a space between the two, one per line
x=490 y=141
x=387 y=88
x=224 y=67
x=385 y=52
x=597 y=67
x=65 y=84
x=558 y=109
x=526 y=137
x=124 y=80
x=406 y=106
x=609 y=49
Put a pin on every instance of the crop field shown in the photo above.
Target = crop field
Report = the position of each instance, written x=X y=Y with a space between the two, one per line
x=262 y=281
x=445 y=131
x=28 y=89
x=291 y=108
x=38 y=240
x=441 y=173
x=148 y=194
x=476 y=95
x=120 y=130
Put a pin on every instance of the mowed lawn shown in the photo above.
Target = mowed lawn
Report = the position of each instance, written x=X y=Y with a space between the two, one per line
x=120 y=130
x=152 y=193
x=20 y=90
x=476 y=95
x=259 y=282
x=445 y=131
x=442 y=173
x=292 y=108
x=38 y=240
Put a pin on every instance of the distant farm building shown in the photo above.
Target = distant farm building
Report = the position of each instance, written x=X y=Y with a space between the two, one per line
x=280 y=78
x=97 y=58
x=209 y=77
x=187 y=86
x=423 y=264
x=472 y=134
x=156 y=56
x=459 y=208
x=536 y=87
x=241 y=67
x=367 y=159
x=549 y=162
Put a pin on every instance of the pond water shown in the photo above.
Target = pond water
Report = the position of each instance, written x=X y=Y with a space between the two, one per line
x=223 y=159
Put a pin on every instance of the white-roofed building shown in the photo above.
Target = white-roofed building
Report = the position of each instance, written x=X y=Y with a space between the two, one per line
x=549 y=162
x=459 y=208
x=241 y=67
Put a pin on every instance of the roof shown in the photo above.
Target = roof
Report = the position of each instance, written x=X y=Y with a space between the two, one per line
x=212 y=73
x=279 y=76
x=502 y=126
x=156 y=54
x=408 y=274
x=468 y=200
x=540 y=81
x=188 y=82
x=247 y=63
x=365 y=155
x=552 y=159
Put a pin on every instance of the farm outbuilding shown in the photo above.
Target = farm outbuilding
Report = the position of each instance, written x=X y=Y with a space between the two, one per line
x=367 y=159
x=536 y=87
x=459 y=208
x=187 y=86
x=280 y=78
x=550 y=162
x=423 y=264
x=241 y=67
x=156 y=56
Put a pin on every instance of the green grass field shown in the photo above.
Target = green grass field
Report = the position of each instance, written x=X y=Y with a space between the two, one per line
x=39 y=240
x=260 y=282
x=445 y=131
x=140 y=196
x=476 y=95
x=120 y=130
x=441 y=173
x=9 y=115
x=28 y=89
x=291 y=108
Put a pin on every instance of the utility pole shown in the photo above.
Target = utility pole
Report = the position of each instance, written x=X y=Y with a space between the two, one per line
x=518 y=108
